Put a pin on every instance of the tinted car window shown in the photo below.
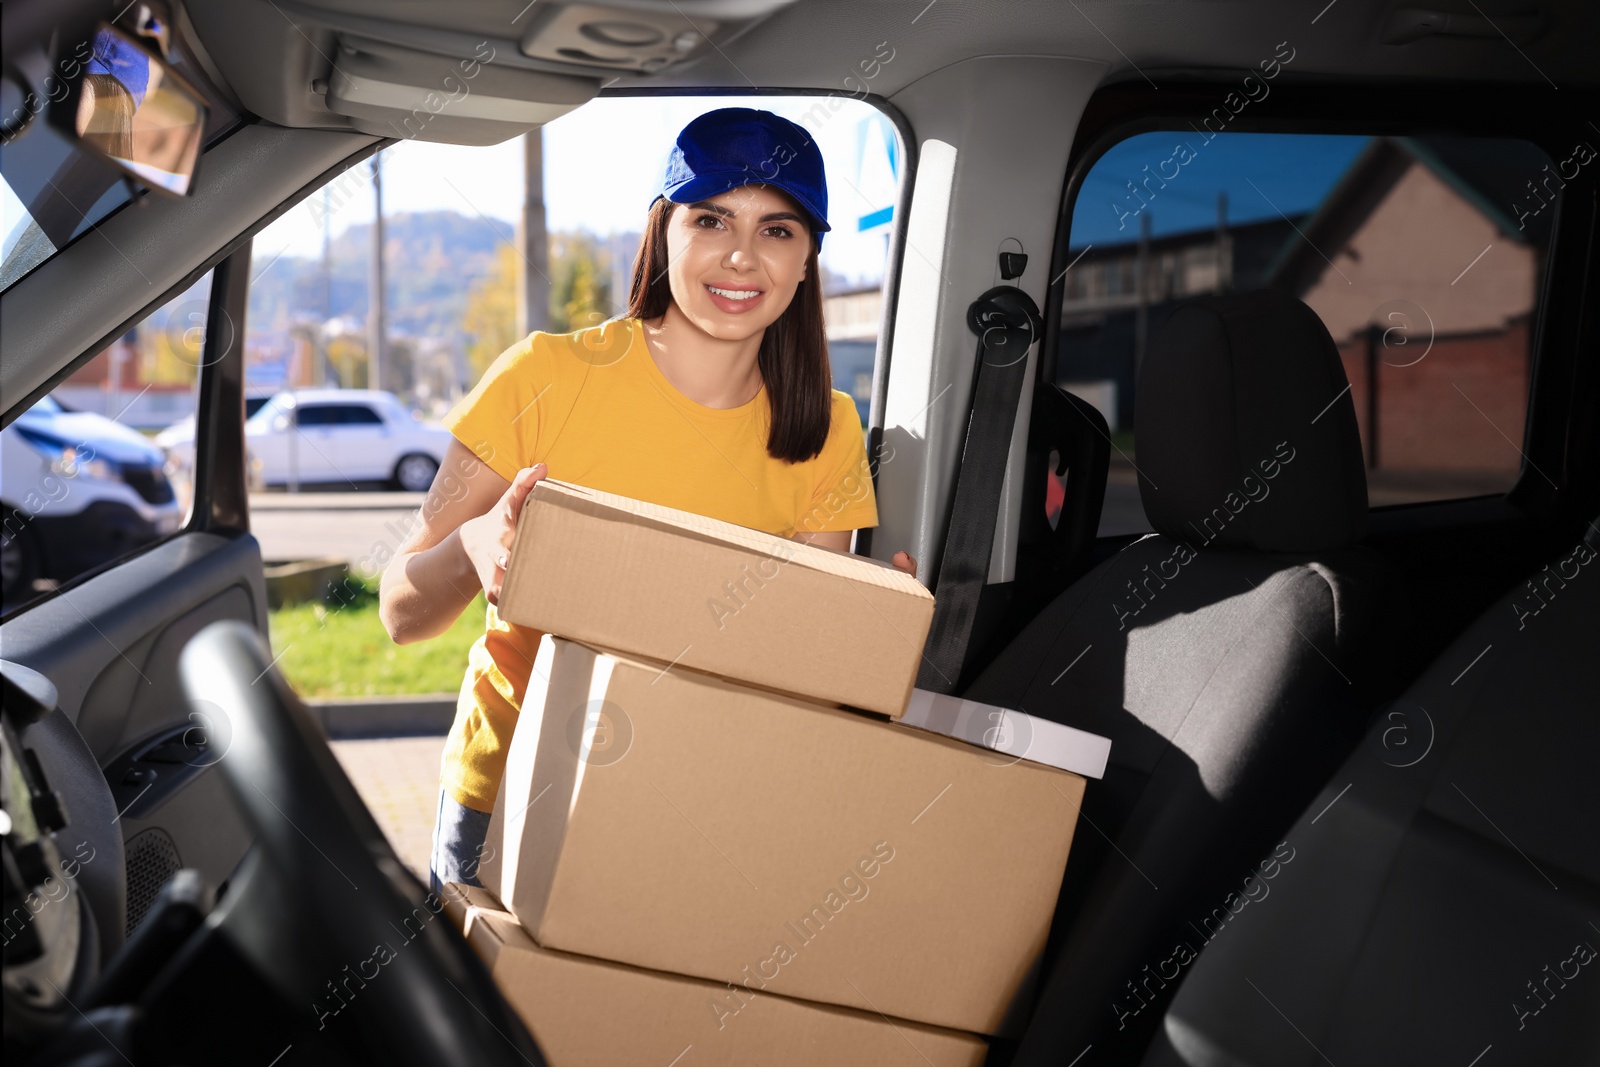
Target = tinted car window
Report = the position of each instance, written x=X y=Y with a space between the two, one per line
x=88 y=478
x=1422 y=255
x=319 y=415
x=358 y=415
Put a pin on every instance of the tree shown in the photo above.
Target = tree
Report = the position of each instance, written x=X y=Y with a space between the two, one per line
x=490 y=322
x=347 y=356
x=580 y=296
x=165 y=363
x=400 y=369
x=580 y=289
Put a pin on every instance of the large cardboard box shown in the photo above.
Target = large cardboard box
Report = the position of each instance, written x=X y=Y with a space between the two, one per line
x=671 y=819
x=587 y=1011
x=747 y=605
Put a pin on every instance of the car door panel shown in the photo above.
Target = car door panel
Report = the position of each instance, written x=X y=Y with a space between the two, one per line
x=110 y=645
x=310 y=447
x=271 y=450
x=360 y=445
x=109 y=642
x=107 y=718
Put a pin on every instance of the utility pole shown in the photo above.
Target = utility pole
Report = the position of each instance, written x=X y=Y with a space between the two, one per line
x=623 y=248
x=1141 y=315
x=115 y=356
x=1374 y=348
x=319 y=343
x=375 y=286
x=1224 y=249
x=533 y=246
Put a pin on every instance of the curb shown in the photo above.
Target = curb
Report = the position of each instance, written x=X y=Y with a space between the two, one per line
x=303 y=581
x=346 y=718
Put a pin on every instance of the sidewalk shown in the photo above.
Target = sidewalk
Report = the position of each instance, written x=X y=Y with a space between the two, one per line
x=398 y=779
x=302 y=527
x=390 y=747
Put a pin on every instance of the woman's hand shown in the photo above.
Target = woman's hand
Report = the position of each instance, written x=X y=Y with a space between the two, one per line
x=839 y=541
x=487 y=538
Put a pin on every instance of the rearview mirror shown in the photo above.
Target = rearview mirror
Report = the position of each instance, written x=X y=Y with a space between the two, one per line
x=130 y=107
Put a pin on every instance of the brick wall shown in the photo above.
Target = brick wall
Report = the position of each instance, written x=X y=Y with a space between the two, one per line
x=1426 y=414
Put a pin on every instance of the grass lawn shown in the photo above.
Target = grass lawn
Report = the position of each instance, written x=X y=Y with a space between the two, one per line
x=330 y=650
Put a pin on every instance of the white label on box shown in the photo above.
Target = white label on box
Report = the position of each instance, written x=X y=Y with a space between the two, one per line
x=1014 y=733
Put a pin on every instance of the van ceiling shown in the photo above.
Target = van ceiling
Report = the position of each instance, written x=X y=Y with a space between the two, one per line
x=283 y=57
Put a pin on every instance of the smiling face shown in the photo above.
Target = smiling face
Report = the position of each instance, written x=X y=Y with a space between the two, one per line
x=749 y=240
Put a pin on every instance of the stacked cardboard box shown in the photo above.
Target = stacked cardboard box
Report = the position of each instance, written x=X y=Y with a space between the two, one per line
x=696 y=787
x=711 y=596
x=587 y=1011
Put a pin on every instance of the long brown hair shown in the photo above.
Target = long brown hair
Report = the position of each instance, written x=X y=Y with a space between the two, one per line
x=793 y=357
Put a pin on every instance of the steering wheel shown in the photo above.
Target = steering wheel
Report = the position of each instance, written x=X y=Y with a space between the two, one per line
x=323 y=912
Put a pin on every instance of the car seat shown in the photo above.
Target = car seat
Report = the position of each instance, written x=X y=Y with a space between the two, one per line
x=1231 y=656
x=1443 y=900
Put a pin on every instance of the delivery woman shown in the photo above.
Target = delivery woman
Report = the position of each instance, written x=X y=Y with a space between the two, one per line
x=712 y=395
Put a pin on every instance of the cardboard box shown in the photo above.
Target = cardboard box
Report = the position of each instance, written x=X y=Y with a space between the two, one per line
x=1011 y=734
x=673 y=820
x=682 y=588
x=588 y=1011
x=461 y=901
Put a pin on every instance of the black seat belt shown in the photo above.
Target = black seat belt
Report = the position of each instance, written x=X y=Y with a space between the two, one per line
x=1007 y=322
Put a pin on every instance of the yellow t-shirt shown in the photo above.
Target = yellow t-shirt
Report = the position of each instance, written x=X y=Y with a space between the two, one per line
x=595 y=408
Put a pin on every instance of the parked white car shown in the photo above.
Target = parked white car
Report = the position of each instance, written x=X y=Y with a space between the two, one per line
x=181 y=433
x=313 y=436
x=76 y=490
x=177 y=442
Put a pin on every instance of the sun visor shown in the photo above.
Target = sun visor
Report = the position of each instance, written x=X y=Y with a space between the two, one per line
x=392 y=91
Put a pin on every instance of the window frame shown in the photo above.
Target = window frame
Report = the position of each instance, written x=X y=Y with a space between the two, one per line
x=1117 y=112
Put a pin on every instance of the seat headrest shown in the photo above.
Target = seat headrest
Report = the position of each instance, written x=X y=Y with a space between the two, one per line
x=1245 y=430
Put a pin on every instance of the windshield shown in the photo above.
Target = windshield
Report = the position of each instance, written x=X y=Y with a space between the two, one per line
x=52 y=191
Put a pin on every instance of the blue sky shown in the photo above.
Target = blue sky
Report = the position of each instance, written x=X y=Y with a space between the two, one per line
x=1290 y=173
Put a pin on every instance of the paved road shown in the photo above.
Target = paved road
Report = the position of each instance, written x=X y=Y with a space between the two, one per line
x=355 y=527
x=350 y=526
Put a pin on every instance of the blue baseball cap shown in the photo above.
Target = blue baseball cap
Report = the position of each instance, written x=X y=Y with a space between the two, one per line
x=734 y=146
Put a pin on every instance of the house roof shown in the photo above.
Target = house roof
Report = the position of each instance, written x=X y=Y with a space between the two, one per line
x=1486 y=173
